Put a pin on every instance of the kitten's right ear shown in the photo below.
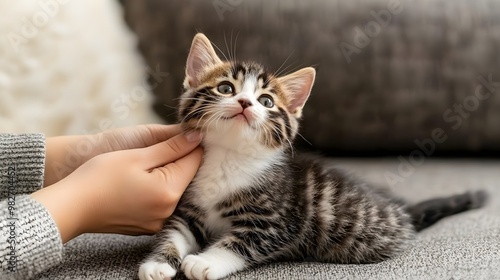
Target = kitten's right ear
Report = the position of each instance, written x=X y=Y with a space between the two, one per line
x=201 y=57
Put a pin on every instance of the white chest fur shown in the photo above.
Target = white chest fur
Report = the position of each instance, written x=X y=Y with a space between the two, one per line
x=225 y=171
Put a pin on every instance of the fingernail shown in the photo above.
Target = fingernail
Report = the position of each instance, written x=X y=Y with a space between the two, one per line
x=193 y=136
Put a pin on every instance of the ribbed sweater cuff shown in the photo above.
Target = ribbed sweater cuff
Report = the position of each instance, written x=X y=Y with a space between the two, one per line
x=37 y=242
x=22 y=159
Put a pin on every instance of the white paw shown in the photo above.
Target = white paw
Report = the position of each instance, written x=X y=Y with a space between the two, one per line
x=196 y=267
x=214 y=263
x=152 y=270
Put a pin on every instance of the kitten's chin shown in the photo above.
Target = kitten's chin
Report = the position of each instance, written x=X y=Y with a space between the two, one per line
x=230 y=130
x=235 y=125
x=234 y=130
x=238 y=126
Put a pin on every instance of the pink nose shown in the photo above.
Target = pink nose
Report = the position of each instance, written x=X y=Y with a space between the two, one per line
x=245 y=103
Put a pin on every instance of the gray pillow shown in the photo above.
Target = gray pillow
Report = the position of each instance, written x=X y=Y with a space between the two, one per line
x=393 y=76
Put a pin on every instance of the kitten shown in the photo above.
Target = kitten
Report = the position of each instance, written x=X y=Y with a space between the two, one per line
x=253 y=201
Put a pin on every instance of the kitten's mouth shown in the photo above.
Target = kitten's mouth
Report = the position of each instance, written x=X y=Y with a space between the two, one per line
x=239 y=117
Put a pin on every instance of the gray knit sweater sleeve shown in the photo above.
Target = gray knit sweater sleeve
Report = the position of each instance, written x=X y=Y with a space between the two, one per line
x=29 y=239
x=22 y=159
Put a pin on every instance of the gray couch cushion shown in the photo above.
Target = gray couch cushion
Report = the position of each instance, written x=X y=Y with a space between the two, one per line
x=464 y=246
x=372 y=93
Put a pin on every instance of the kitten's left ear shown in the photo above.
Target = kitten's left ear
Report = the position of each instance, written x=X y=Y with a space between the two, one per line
x=298 y=86
x=202 y=56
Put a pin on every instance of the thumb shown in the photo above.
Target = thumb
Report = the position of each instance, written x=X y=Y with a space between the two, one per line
x=172 y=149
x=180 y=173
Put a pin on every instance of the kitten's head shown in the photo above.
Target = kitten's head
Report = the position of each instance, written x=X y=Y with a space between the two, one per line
x=233 y=102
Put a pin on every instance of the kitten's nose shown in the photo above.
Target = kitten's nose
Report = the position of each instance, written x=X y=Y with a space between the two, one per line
x=244 y=103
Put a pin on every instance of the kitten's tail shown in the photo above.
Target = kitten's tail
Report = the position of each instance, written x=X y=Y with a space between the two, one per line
x=428 y=212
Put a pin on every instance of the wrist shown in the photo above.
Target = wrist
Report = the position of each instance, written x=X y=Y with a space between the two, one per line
x=67 y=207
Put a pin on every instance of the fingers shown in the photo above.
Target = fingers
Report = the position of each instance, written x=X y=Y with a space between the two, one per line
x=159 y=133
x=135 y=137
x=176 y=176
x=181 y=172
x=171 y=150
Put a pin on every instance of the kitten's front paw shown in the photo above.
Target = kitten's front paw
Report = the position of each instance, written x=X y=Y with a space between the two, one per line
x=214 y=263
x=152 y=270
x=199 y=268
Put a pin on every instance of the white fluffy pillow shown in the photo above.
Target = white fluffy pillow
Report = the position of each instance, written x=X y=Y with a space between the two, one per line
x=69 y=67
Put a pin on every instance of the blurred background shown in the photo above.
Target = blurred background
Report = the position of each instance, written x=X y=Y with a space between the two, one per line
x=394 y=76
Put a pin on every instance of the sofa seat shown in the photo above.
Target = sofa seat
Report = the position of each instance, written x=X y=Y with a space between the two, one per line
x=464 y=246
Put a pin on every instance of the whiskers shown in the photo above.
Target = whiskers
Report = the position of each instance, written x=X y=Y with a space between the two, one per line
x=303 y=138
x=283 y=69
x=215 y=117
x=205 y=115
x=280 y=71
x=230 y=48
x=273 y=135
x=199 y=99
x=217 y=47
x=199 y=105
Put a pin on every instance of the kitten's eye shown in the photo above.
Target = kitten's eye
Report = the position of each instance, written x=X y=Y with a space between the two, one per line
x=266 y=100
x=225 y=88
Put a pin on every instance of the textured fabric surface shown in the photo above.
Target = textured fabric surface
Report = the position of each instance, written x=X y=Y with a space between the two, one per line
x=29 y=239
x=22 y=159
x=389 y=71
x=464 y=246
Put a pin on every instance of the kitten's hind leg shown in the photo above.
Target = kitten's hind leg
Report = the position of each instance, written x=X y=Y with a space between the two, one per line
x=175 y=241
x=426 y=213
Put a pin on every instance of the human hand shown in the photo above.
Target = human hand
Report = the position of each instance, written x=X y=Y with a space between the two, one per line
x=128 y=192
x=64 y=154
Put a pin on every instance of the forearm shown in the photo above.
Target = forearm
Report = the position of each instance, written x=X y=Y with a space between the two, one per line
x=29 y=240
x=21 y=164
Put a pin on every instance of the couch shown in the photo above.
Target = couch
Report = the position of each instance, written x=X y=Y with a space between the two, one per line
x=385 y=67
x=386 y=94
x=465 y=246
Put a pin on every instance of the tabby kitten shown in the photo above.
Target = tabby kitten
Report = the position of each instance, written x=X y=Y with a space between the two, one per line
x=253 y=201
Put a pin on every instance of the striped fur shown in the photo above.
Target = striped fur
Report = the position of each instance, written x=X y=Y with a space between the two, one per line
x=253 y=201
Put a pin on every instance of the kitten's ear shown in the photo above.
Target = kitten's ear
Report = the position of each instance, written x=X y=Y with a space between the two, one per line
x=201 y=57
x=298 y=86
